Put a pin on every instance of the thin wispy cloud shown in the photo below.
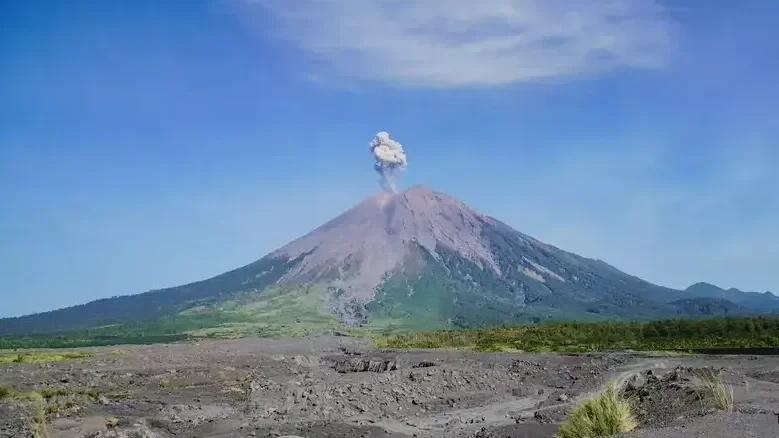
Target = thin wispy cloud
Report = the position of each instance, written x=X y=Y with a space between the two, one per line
x=455 y=43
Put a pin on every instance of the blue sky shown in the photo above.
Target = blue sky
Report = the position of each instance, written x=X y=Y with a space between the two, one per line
x=146 y=144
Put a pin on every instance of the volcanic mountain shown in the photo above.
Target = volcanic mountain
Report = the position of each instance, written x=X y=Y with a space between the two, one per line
x=419 y=258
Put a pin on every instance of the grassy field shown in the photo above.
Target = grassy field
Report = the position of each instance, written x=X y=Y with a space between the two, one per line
x=40 y=356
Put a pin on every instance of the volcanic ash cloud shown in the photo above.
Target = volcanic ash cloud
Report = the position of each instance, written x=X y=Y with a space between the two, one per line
x=390 y=159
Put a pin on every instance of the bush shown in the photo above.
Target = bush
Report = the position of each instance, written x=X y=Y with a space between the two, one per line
x=93 y=393
x=604 y=415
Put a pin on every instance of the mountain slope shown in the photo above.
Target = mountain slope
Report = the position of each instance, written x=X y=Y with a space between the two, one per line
x=415 y=259
x=153 y=304
x=702 y=306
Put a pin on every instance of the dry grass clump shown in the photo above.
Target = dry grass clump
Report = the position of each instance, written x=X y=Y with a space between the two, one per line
x=721 y=393
x=603 y=415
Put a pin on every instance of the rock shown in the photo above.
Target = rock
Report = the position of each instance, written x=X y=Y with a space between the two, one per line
x=652 y=378
x=362 y=365
x=562 y=398
x=636 y=382
x=541 y=418
x=103 y=400
x=522 y=391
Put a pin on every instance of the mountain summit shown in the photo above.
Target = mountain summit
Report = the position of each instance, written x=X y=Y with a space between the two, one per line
x=387 y=233
x=418 y=258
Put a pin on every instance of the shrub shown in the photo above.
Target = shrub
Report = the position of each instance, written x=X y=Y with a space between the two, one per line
x=37 y=419
x=93 y=393
x=604 y=415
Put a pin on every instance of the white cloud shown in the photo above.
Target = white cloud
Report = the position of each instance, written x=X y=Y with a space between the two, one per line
x=451 y=43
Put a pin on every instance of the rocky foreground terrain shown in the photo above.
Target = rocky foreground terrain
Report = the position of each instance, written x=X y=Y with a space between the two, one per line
x=338 y=387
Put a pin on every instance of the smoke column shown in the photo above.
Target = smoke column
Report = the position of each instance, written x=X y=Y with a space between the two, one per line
x=390 y=159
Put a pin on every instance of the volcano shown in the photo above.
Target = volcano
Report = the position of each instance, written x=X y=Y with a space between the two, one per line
x=419 y=258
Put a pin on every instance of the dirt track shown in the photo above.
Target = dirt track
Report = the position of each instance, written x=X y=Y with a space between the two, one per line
x=335 y=387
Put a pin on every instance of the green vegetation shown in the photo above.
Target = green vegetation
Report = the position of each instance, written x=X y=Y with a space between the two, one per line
x=129 y=334
x=29 y=357
x=93 y=393
x=277 y=311
x=435 y=298
x=604 y=415
x=665 y=335
x=164 y=383
x=299 y=312
x=719 y=391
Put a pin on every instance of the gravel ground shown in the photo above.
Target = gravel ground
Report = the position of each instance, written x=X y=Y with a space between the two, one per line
x=732 y=425
x=337 y=387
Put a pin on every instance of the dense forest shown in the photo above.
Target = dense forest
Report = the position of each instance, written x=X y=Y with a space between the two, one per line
x=664 y=335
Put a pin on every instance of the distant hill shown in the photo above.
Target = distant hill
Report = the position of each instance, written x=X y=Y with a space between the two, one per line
x=703 y=306
x=419 y=259
x=762 y=301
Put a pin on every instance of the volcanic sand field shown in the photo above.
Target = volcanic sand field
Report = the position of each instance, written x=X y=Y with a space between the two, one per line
x=321 y=387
